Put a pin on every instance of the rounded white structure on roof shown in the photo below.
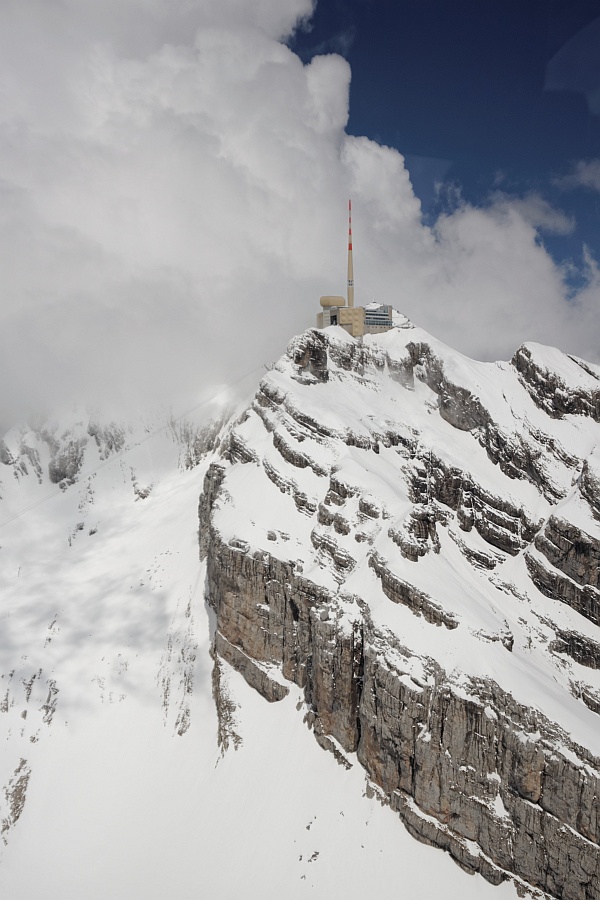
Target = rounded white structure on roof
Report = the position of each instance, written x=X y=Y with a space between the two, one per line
x=329 y=301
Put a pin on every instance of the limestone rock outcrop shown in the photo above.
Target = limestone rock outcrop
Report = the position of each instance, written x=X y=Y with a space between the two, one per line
x=412 y=538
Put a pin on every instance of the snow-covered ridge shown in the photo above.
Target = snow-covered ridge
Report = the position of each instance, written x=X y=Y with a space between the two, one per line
x=401 y=547
x=112 y=780
x=413 y=537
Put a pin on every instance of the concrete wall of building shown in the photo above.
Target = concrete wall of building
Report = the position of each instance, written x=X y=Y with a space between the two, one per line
x=352 y=318
x=330 y=300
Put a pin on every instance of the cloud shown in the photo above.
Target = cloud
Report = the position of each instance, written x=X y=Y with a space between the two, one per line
x=584 y=174
x=173 y=187
x=535 y=210
x=481 y=280
x=341 y=42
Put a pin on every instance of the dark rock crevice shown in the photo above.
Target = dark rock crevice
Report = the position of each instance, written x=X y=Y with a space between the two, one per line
x=548 y=390
x=572 y=551
x=552 y=583
x=516 y=457
x=582 y=649
x=500 y=523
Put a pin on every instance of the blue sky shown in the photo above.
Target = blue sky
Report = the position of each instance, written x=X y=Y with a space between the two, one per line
x=480 y=96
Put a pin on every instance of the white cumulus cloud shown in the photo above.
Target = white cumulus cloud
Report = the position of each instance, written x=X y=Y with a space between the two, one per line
x=584 y=174
x=173 y=190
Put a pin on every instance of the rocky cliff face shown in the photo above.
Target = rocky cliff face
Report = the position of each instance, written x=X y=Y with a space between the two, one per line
x=413 y=538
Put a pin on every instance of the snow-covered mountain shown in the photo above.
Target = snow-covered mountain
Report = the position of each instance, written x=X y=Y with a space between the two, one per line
x=413 y=538
x=398 y=548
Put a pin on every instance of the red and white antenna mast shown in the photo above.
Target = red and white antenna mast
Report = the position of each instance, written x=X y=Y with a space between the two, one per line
x=350 y=267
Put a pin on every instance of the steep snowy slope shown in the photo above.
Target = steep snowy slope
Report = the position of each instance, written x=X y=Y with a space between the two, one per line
x=112 y=781
x=413 y=538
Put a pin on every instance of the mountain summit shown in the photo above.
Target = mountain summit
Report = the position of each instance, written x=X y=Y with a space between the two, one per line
x=398 y=549
x=413 y=538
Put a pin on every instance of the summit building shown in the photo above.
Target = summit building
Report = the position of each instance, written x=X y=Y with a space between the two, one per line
x=356 y=320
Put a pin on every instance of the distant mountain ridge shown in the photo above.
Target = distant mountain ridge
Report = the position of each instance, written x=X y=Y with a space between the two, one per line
x=413 y=538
